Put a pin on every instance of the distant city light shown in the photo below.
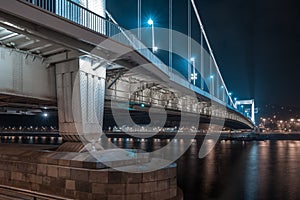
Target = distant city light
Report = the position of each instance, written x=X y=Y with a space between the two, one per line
x=142 y=105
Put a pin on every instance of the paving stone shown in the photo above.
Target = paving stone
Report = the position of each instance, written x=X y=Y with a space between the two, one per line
x=162 y=185
x=115 y=189
x=98 y=176
x=52 y=171
x=81 y=175
x=149 y=176
x=116 y=197
x=173 y=192
x=148 y=187
x=63 y=162
x=83 y=186
x=42 y=169
x=133 y=188
x=115 y=177
x=64 y=172
x=99 y=188
x=70 y=185
x=132 y=177
x=18 y=176
x=134 y=197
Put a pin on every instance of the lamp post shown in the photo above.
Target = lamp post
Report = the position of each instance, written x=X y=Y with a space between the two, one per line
x=194 y=74
x=223 y=92
x=212 y=89
x=151 y=23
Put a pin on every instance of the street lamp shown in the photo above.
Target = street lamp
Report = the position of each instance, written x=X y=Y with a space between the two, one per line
x=223 y=92
x=151 y=23
x=212 y=87
x=194 y=74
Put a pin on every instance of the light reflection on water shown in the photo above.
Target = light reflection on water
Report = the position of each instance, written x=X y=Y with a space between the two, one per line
x=31 y=140
x=242 y=170
x=236 y=169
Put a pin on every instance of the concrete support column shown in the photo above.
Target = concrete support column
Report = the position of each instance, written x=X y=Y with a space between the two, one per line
x=80 y=98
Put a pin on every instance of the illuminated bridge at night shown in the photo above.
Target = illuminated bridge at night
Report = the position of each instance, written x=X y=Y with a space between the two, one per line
x=50 y=47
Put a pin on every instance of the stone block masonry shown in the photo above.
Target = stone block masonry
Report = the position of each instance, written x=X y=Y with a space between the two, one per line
x=59 y=174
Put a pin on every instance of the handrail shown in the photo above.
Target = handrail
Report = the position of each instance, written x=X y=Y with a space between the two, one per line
x=89 y=19
x=15 y=193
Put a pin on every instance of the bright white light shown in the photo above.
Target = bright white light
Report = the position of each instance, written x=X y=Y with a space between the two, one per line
x=45 y=114
x=150 y=22
x=211 y=76
x=194 y=76
x=155 y=49
x=192 y=59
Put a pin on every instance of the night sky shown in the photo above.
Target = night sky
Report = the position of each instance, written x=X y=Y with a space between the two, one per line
x=255 y=42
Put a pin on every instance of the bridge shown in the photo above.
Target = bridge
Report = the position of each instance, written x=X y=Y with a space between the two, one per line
x=52 y=50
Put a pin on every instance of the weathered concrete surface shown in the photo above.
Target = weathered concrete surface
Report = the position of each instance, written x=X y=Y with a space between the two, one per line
x=79 y=175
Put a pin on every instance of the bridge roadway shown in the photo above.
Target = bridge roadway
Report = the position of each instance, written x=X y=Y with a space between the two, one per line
x=70 y=47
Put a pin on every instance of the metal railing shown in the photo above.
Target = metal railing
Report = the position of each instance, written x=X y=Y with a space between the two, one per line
x=80 y=15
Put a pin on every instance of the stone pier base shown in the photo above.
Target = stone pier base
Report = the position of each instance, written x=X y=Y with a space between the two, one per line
x=80 y=176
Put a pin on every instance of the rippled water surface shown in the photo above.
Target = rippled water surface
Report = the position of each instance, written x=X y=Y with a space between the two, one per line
x=242 y=170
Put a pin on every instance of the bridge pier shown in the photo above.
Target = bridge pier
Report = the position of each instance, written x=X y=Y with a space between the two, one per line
x=80 y=99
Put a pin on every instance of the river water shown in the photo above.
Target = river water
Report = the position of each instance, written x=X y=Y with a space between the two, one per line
x=242 y=170
x=235 y=169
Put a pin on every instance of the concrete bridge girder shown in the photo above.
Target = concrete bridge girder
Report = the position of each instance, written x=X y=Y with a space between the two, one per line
x=80 y=98
x=25 y=75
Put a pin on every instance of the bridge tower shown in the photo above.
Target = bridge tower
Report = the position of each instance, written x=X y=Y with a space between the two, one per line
x=247 y=102
x=78 y=76
x=97 y=6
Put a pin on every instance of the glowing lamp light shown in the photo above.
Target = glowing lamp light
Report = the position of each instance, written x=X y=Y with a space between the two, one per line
x=150 y=22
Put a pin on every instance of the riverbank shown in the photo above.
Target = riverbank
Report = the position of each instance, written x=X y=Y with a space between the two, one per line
x=243 y=136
